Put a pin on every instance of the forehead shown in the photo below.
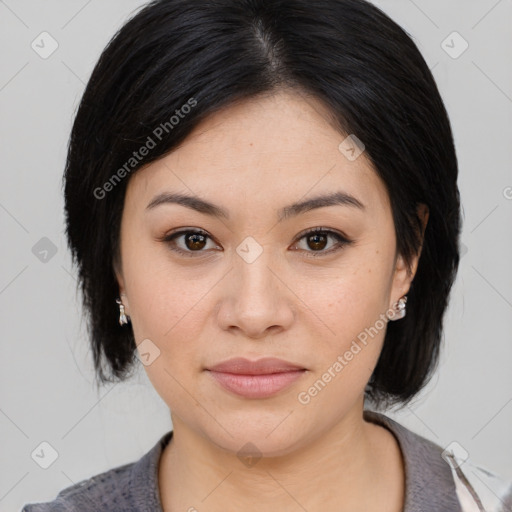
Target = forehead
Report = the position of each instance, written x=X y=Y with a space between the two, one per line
x=269 y=150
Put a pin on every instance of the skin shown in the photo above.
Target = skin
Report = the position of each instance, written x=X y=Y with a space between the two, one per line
x=252 y=159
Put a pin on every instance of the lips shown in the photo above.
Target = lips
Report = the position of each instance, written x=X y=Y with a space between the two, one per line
x=256 y=379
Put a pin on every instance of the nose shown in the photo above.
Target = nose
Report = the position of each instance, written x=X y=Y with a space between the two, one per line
x=257 y=301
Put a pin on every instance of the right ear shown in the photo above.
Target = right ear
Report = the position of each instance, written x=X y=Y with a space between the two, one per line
x=118 y=272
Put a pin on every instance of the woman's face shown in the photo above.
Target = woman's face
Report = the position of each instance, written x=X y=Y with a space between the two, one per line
x=253 y=283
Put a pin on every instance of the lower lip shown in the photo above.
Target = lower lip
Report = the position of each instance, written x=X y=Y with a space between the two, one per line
x=256 y=386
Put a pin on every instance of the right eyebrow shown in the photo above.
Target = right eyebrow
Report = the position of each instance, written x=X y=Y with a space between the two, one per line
x=193 y=202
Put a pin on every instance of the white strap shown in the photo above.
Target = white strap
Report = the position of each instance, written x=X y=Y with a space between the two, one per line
x=479 y=490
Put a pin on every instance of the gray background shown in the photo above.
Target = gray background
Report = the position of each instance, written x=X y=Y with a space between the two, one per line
x=46 y=390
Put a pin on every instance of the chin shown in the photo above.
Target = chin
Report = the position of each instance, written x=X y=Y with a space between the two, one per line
x=267 y=435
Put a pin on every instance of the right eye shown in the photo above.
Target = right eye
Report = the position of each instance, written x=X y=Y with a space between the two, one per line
x=189 y=241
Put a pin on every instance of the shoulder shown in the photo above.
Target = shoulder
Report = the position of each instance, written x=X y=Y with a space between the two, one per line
x=107 y=488
x=120 y=489
x=442 y=479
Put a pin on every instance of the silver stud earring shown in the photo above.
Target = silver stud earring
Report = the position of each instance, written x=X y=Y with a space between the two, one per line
x=399 y=309
x=123 y=319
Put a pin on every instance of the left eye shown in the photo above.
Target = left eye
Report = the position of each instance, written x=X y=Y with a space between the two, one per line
x=317 y=240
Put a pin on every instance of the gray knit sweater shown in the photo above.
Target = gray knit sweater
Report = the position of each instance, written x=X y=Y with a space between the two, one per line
x=431 y=483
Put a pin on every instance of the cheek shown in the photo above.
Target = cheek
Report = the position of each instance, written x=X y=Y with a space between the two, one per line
x=170 y=307
x=353 y=298
x=167 y=310
x=348 y=354
x=161 y=295
x=352 y=307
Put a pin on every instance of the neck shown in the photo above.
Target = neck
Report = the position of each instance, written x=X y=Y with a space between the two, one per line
x=355 y=465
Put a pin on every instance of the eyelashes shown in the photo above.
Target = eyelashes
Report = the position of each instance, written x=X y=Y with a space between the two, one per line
x=198 y=240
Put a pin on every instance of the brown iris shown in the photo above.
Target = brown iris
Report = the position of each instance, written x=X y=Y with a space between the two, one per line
x=317 y=241
x=195 y=241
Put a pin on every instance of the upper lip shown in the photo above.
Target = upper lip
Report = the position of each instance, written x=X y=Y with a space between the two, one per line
x=265 y=366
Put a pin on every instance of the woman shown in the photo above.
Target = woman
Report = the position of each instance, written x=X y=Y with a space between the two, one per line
x=262 y=202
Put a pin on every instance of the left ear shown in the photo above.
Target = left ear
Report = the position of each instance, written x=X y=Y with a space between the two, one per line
x=404 y=274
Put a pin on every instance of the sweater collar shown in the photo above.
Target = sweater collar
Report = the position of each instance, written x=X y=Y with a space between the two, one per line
x=429 y=485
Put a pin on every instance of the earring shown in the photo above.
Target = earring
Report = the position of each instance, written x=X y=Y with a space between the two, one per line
x=123 y=319
x=399 y=309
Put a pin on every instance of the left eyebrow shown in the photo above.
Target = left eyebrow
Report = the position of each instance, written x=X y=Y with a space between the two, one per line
x=336 y=198
x=203 y=206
